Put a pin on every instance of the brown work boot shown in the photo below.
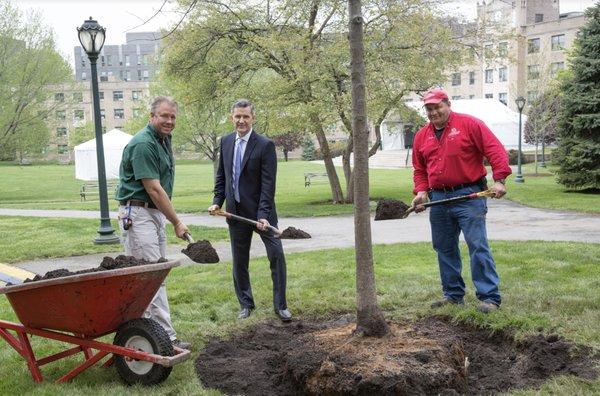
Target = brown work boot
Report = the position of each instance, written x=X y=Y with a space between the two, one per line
x=487 y=307
x=445 y=301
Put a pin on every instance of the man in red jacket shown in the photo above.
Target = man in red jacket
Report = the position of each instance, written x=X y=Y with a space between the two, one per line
x=448 y=156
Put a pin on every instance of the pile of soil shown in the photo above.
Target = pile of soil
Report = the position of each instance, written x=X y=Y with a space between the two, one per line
x=294 y=233
x=431 y=356
x=201 y=252
x=389 y=209
x=108 y=263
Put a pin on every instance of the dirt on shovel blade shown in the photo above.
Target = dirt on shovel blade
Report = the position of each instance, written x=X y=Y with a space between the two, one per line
x=389 y=209
x=294 y=233
x=201 y=252
x=108 y=263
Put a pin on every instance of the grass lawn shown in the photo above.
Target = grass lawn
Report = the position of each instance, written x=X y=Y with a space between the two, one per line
x=194 y=185
x=549 y=285
x=38 y=237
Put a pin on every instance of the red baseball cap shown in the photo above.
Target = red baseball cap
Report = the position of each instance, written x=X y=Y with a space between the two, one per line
x=435 y=96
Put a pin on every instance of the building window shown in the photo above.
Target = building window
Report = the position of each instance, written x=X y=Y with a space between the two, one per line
x=489 y=76
x=61 y=114
x=532 y=96
x=101 y=94
x=127 y=75
x=456 y=97
x=556 y=67
x=117 y=95
x=102 y=113
x=539 y=18
x=145 y=75
x=489 y=96
x=502 y=74
x=78 y=115
x=471 y=78
x=533 y=46
x=119 y=114
x=63 y=149
x=102 y=60
x=59 y=97
x=109 y=60
x=82 y=61
x=533 y=72
x=103 y=77
x=77 y=97
x=471 y=96
x=455 y=79
x=137 y=112
x=503 y=97
x=83 y=76
x=61 y=131
x=136 y=95
x=488 y=50
x=503 y=48
x=145 y=59
x=127 y=62
x=558 y=42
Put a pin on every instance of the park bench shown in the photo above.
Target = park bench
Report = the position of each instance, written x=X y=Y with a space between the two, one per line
x=92 y=189
x=309 y=176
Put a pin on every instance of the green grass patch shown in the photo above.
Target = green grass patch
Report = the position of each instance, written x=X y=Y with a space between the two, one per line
x=30 y=238
x=194 y=189
x=552 y=285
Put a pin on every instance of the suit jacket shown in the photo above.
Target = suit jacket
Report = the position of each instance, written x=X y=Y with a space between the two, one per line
x=257 y=178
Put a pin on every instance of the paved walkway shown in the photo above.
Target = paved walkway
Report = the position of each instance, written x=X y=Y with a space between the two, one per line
x=506 y=221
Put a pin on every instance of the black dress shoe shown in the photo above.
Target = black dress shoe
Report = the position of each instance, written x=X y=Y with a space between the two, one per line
x=284 y=314
x=245 y=313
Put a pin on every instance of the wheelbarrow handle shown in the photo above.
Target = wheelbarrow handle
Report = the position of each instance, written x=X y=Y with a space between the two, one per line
x=255 y=223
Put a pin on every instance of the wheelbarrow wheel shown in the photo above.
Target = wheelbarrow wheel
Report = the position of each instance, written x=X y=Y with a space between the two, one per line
x=148 y=336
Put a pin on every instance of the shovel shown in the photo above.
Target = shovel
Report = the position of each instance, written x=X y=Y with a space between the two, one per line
x=481 y=194
x=245 y=220
x=200 y=252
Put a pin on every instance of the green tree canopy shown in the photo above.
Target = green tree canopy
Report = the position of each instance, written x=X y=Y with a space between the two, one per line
x=30 y=63
x=578 y=150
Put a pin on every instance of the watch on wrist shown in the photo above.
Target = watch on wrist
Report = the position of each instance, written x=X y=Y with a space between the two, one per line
x=502 y=181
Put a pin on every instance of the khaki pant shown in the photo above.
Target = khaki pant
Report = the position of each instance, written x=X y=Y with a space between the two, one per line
x=147 y=239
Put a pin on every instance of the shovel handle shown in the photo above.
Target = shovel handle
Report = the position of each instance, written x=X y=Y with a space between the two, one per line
x=188 y=237
x=255 y=223
x=481 y=194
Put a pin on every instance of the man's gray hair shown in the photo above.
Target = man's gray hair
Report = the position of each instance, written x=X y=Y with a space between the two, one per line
x=160 y=100
x=242 y=104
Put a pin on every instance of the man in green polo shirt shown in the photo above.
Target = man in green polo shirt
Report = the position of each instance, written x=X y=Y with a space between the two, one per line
x=145 y=189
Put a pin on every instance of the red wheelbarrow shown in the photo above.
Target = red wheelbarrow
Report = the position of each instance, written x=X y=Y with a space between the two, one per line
x=93 y=305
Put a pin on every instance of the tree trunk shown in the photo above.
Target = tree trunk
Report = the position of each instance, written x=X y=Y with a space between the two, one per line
x=370 y=320
x=285 y=155
x=337 y=196
x=348 y=170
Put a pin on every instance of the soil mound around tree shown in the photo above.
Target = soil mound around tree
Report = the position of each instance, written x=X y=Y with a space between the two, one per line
x=390 y=209
x=108 y=263
x=201 y=252
x=431 y=356
x=294 y=233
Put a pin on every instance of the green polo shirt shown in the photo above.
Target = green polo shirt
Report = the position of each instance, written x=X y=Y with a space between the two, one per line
x=148 y=155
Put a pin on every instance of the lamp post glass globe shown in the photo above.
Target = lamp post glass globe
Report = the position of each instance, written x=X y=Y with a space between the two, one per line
x=520 y=102
x=91 y=36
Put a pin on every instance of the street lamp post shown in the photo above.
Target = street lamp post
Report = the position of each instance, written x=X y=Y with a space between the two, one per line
x=543 y=163
x=520 y=101
x=91 y=36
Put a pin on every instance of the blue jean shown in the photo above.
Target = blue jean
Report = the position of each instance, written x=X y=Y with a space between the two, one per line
x=447 y=222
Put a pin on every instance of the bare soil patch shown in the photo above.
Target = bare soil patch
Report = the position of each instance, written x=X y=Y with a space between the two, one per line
x=108 y=263
x=201 y=252
x=294 y=233
x=431 y=356
x=389 y=209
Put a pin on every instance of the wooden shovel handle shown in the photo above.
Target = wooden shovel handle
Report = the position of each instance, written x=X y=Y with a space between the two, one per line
x=255 y=223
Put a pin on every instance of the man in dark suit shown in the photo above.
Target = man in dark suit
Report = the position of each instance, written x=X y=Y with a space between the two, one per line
x=246 y=181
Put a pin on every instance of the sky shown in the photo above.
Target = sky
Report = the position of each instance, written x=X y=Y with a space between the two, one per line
x=120 y=16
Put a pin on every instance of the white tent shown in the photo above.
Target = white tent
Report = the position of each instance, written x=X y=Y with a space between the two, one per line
x=86 y=166
x=503 y=121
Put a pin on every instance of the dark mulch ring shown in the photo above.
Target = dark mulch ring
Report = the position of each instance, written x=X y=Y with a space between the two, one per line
x=389 y=209
x=201 y=252
x=294 y=233
x=431 y=356
x=108 y=263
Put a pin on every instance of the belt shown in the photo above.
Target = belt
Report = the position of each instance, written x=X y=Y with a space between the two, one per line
x=457 y=187
x=135 y=202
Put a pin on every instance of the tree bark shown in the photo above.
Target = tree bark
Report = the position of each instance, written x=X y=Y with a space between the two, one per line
x=337 y=195
x=370 y=320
